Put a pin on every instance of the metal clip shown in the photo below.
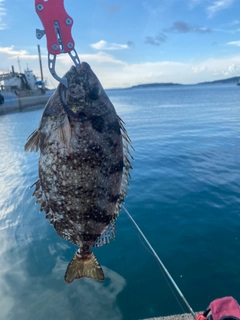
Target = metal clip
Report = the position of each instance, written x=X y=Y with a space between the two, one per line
x=57 y=27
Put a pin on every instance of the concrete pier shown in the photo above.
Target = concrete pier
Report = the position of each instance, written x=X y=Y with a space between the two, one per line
x=185 y=316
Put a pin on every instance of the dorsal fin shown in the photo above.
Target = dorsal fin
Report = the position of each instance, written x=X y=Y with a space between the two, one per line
x=127 y=165
x=32 y=144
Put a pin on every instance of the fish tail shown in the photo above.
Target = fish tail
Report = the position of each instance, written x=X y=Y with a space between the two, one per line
x=83 y=266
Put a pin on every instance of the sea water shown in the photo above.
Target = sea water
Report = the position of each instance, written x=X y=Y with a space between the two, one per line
x=184 y=195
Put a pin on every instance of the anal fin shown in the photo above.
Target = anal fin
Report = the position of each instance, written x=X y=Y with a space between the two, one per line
x=108 y=233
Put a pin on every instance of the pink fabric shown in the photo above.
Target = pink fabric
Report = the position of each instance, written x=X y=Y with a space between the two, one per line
x=225 y=307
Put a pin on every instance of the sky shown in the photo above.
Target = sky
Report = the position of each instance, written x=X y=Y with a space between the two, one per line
x=131 y=42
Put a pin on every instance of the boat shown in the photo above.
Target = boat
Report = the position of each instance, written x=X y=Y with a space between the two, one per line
x=19 y=91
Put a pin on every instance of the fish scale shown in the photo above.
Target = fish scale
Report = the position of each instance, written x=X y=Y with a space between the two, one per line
x=83 y=167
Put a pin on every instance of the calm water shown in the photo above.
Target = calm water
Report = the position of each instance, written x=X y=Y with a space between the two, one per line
x=185 y=195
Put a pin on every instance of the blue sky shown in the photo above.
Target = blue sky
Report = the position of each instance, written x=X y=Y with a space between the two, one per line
x=132 y=42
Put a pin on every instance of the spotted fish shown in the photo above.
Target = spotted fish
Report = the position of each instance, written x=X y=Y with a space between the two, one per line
x=83 y=167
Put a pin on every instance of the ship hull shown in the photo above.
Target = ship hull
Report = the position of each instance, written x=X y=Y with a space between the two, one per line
x=13 y=103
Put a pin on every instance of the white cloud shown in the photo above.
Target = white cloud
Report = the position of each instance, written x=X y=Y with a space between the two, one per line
x=194 y=3
x=104 y=45
x=101 y=63
x=114 y=73
x=236 y=22
x=170 y=71
x=91 y=299
x=13 y=53
x=233 y=69
x=199 y=69
x=10 y=56
x=216 y=69
x=234 y=43
x=10 y=51
x=101 y=58
x=219 y=5
x=2 y=14
x=213 y=5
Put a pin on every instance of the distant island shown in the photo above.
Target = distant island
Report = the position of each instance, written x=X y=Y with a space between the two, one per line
x=234 y=80
x=223 y=81
x=151 y=85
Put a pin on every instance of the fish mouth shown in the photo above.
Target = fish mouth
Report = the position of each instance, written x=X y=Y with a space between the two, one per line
x=83 y=67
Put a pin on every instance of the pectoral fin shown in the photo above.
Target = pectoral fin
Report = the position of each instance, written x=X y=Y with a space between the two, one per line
x=64 y=132
x=32 y=144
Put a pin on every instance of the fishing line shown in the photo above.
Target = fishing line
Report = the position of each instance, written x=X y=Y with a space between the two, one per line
x=164 y=275
x=162 y=265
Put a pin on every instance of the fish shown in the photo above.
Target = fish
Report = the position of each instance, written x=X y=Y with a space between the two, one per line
x=83 y=167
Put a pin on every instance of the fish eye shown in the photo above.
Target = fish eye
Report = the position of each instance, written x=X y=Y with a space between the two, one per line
x=94 y=93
